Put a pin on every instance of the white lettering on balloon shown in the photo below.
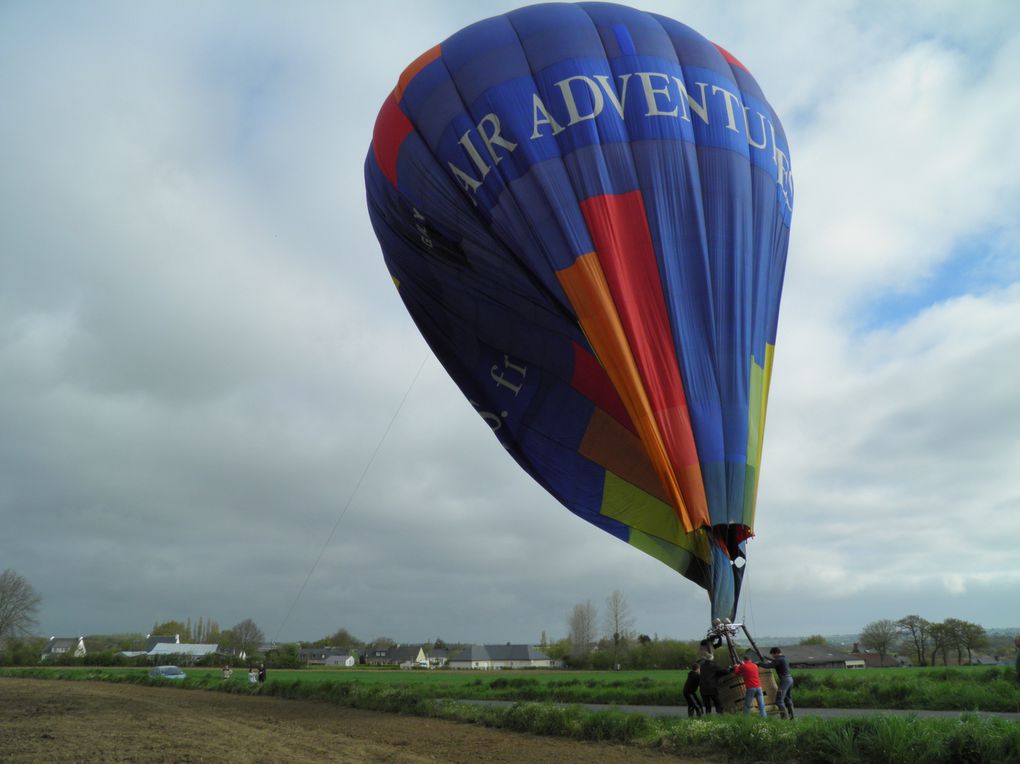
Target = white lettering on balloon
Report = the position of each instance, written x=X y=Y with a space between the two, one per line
x=583 y=98
x=509 y=379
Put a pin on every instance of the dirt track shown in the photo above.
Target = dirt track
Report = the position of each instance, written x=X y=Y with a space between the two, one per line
x=49 y=721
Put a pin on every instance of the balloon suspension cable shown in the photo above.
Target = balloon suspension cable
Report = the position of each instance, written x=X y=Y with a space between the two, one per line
x=745 y=597
x=726 y=630
x=350 y=497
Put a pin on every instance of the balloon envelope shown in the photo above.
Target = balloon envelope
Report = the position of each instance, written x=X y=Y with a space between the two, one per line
x=586 y=210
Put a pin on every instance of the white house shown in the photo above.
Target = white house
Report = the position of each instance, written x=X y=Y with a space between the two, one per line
x=341 y=659
x=74 y=646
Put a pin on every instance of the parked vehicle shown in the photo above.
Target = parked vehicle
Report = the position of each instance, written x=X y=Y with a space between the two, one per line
x=167 y=672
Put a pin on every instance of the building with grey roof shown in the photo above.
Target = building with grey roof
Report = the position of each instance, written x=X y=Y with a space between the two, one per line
x=487 y=657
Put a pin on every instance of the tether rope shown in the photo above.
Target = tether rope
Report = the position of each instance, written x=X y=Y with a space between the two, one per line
x=350 y=498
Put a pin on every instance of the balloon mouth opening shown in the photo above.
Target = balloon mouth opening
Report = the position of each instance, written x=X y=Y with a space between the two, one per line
x=730 y=537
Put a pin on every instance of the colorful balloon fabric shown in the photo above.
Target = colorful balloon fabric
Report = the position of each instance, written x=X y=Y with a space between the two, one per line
x=586 y=211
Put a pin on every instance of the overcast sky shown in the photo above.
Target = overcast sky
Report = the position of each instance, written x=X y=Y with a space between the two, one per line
x=203 y=358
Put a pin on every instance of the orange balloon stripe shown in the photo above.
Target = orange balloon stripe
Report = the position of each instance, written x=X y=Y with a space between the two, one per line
x=623 y=243
x=585 y=286
x=414 y=67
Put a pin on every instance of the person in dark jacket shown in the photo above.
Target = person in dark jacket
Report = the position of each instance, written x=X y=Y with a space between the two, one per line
x=784 y=697
x=694 y=707
x=708 y=676
x=706 y=648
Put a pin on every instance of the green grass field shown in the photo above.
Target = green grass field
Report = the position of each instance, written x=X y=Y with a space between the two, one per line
x=958 y=688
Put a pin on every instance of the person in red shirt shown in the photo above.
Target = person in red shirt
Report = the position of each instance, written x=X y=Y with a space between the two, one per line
x=748 y=671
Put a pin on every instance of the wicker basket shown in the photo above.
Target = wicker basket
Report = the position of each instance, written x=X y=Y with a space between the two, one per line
x=732 y=692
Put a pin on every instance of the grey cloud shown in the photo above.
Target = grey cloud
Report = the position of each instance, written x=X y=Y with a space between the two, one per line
x=201 y=349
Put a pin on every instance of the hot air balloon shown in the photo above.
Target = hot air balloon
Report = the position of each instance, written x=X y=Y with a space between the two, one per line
x=586 y=209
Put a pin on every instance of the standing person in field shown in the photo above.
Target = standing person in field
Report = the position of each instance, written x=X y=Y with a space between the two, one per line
x=784 y=698
x=748 y=671
x=708 y=680
x=694 y=707
x=262 y=673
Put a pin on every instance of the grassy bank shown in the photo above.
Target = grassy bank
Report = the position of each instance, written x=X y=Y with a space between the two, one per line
x=967 y=688
x=747 y=739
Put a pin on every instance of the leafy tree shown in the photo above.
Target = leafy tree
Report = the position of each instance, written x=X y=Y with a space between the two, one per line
x=973 y=637
x=172 y=628
x=880 y=637
x=558 y=650
x=662 y=654
x=284 y=656
x=960 y=636
x=345 y=640
x=19 y=604
x=21 y=651
x=941 y=638
x=581 y=629
x=916 y=631
x=814 y=639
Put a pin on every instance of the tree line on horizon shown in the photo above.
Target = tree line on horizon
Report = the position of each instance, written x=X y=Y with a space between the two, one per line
x=615 y=645
x=925 y=640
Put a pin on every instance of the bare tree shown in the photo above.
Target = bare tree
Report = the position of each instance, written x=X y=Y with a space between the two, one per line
x=19 y=604
x=205 y=631
x=246 y=636
x=581 y=628
x=880 y=637
x=619 y=622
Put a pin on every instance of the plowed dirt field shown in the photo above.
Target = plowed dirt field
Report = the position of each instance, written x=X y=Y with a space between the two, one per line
x=54 y=721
